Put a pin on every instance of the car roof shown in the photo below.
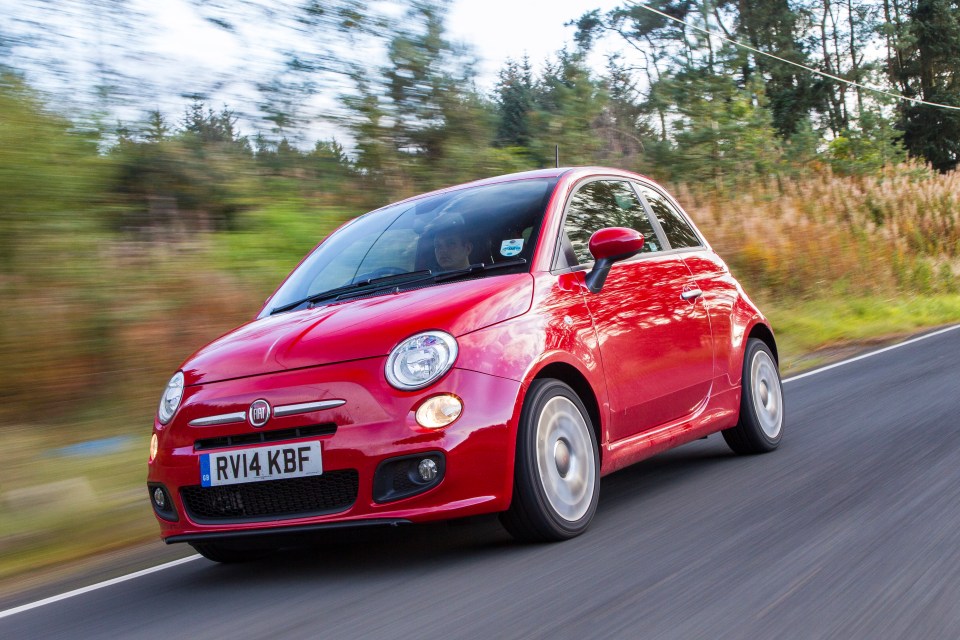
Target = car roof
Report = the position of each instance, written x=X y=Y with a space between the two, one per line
x=525 y=175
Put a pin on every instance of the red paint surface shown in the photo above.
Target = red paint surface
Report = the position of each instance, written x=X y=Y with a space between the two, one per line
x=659 y=370
x=615 y=242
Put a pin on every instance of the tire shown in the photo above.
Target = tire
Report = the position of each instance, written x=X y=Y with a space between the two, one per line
x=760 y=428
x=228 y=554
x=556 y=481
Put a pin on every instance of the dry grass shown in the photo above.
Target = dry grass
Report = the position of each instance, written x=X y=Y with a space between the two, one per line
x=823 y=234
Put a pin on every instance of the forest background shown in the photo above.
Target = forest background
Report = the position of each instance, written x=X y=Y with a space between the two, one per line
x=129 y=239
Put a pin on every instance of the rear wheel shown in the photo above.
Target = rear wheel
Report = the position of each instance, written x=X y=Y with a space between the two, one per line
x=226 y=554
x=761 y=403
x=557 y=470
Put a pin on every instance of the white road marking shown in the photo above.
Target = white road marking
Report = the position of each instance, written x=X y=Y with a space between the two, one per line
x=871 y=354
x=94 y=587
x=168 y=565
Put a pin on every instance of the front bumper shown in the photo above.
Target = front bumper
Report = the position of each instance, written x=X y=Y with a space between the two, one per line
x=374 y=425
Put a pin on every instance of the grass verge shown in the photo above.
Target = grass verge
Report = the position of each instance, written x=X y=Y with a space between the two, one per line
x=811 y=333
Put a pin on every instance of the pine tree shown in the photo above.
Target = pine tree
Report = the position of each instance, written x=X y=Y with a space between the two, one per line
x=514 y=97
x=933 y=74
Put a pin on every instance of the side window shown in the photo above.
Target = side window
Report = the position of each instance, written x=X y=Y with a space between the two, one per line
x=678 y=231
x=600 y=204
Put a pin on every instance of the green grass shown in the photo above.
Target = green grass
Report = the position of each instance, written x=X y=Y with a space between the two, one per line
x=811 y=332
x=105 y=504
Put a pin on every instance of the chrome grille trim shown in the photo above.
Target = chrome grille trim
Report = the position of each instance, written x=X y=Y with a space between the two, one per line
x=223 y=418
x=306 y=407
x=278 y=412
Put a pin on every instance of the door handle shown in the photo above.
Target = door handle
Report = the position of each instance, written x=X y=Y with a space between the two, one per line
x=691 y=294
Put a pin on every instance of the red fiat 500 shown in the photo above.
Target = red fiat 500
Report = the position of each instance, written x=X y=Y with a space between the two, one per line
x=492 y=347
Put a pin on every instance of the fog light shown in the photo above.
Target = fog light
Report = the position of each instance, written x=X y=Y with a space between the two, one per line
x=439 y=411
x=162 y=502
x=406 y=476
x=427 y=469
x=154 y=445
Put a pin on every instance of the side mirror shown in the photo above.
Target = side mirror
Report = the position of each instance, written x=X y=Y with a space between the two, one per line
x=608 y=246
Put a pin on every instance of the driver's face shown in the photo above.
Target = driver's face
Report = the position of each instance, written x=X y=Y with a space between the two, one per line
x=451 y=251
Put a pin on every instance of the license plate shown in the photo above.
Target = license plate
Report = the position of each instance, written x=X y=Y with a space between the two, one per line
x=257 y=464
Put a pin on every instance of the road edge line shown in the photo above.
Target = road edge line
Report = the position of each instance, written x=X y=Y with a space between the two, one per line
x=800 y=376
x=94 y=587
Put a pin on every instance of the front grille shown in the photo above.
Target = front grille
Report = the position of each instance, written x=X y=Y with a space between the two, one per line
x=259 y=437
x=272 y=499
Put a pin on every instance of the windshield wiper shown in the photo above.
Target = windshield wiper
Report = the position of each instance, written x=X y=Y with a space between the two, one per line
x=360 y=287
x=473 y=269
x=372 y=285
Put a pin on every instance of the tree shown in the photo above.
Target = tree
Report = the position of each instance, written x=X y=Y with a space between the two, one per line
x=660 y=43
x=210 y=127
x=874 y=144
x=623 y=124
x=180 y=181
x=417 y=119
x=930 y=70
x=721 y=132
x=570 y=104
x=514 y=98
x=157 y=128
x=50 y=174
x=772 y=26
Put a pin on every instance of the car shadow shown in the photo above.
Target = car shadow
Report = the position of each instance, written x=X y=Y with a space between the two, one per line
x=397 y=549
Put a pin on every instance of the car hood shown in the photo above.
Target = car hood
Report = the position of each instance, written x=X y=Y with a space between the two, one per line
x=357 y=329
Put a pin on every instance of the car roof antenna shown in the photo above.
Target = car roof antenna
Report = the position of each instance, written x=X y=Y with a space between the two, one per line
x=558 y=156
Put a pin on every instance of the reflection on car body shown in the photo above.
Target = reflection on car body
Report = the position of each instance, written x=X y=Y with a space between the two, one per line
x=494 y=347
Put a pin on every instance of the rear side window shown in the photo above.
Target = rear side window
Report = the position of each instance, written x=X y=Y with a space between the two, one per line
x=595 y=206
x=678 y=231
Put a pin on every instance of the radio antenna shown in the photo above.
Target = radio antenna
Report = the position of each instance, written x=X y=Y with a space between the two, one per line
x=558 y=156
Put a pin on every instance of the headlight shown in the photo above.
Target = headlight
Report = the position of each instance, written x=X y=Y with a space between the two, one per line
x=171 y=398
x=421 y=359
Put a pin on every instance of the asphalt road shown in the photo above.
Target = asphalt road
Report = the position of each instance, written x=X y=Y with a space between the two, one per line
x=850 y=530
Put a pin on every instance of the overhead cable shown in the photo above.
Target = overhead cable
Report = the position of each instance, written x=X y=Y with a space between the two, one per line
x=824 y=74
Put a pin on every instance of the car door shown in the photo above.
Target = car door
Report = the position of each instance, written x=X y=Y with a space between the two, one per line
x=654 y=337
x=718 y=289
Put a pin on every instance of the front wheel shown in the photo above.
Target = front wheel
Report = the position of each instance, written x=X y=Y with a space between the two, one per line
x=761 y=403
x=557 y=470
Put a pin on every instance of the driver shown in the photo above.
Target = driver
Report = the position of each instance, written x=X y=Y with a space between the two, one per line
x=450 y=245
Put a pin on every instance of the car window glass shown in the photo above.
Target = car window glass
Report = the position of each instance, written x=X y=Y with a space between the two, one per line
x=678 y=231
x=440 y=232
x=393 y=252
x=595 y=206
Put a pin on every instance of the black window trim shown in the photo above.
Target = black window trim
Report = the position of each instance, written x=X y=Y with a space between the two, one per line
x=661 y=237
x=675 y=205
x=654 y=222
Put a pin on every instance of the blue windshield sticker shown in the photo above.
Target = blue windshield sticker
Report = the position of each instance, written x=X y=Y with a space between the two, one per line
x=510 y=248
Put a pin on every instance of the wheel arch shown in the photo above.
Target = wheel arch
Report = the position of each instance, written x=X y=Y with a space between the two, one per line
x=762 y=332
x=572 y=377
x=746 y=321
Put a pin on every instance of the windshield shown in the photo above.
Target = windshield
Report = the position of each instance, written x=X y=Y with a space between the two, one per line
x=446 y=232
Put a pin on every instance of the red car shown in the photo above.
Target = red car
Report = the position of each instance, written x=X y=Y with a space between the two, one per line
x=494 y=347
